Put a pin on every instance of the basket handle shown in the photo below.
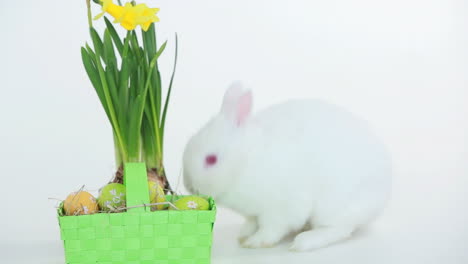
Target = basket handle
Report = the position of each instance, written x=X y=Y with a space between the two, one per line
x=136 y=184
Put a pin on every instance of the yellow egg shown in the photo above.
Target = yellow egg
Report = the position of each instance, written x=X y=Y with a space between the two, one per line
x=80 y=203
x=156 y=195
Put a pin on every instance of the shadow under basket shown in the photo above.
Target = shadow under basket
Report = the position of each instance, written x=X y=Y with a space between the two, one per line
x=139 y=235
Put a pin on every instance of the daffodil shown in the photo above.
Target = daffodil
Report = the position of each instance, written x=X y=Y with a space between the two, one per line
x=132 y=65
x=130 y=16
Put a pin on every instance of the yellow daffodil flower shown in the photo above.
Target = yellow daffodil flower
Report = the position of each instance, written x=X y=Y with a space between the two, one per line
x=130 y=16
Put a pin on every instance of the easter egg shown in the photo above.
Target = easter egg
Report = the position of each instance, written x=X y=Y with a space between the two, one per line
x=156 y=195
x=192 y=203
x=112 y=196
x=80 y=203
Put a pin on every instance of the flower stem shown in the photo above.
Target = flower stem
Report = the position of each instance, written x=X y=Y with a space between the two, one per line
x=120 y=3
x=90 y=20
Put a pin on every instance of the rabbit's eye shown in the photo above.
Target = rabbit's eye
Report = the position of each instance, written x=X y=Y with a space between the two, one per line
x=211 y=160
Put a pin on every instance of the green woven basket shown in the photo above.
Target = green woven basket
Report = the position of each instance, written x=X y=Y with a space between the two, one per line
x=139 y=235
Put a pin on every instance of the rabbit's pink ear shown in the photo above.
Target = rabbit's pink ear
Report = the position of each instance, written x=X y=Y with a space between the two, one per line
x=237 y=103
x=232 y=94
x=244 y=107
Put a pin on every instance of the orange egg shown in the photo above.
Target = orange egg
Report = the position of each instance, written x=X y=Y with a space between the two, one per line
x=80 y=203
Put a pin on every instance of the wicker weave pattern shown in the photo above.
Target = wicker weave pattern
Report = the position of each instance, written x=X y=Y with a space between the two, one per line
x=161 y=237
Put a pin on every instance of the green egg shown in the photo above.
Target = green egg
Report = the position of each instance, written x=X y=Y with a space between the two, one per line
x=112 y=196
x=192 y=203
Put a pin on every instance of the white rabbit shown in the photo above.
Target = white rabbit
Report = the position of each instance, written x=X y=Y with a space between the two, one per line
x=303 y=163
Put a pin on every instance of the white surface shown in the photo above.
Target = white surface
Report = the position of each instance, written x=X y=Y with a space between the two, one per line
x=400 y=64
x=398 y=242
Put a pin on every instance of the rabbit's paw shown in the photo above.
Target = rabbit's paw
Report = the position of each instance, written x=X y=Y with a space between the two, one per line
x=248 y=228
x=261 y=240
x=319 y=238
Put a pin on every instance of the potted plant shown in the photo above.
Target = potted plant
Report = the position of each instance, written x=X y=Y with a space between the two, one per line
x=137 y=218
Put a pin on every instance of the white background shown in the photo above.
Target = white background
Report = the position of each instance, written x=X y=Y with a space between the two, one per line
x=401 y=64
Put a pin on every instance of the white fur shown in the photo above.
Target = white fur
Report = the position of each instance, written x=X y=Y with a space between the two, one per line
x=295 y=164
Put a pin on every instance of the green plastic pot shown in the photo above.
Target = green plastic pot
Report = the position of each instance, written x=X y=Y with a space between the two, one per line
x=139 y=236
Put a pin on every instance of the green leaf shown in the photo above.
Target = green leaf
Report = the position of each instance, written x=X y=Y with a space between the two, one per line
x=94 y=78
x=126 y=47
x=168 y=96
x=157 y=81
x=111 y=82
x=149 y=42
x=123 y=86
x=110 y=58
x=133 y=85
x=138 y=111
x=134 y=128
x=114 y=35
x=149 y=143
x=135 y=48
x=102 y=74
x=97 y=42
x=90 y=51
x=161 y=49
x=154 y=92
x=139 y=83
